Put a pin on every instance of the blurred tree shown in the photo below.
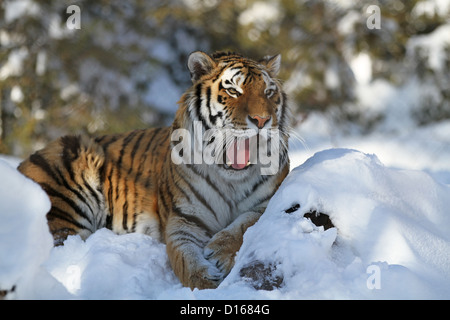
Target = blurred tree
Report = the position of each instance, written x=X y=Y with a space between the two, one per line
x=105 y=77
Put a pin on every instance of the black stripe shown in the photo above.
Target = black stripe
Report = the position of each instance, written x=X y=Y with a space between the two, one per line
x=265 y=198
x=53 y=193
x=139 y=169
x=105 y=145
x=193 y=220
x=108 y=224
x=135 y=149
x=146 y=153
x=57 y=176
x=237 y=68
x=212 y=119
x=208 y=99
x=236 y=74
x=91 y=190
x=198 y=94
x=219 y=74
x=133 y=226
x=181 y=190
x=199 y=197
x=155 y=145
x=126 y=141
x=249 y=78
x=153 y=152
x=162 y=193
x=100 y=139
x=125 y=205
x=125 y=215
x=39 y=161
x=210 y=184
x=71 y=149
x=74 y=191
x=71 y=146
x=284 y=107
x=56 y=212
x=110 y=193
x=261 y=182
x=186 y=238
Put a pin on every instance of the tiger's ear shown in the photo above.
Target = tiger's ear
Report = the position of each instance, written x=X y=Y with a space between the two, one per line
x=272 y=63
x=199 y=64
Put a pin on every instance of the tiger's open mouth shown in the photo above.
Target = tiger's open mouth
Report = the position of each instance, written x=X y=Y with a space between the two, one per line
x=237 y=155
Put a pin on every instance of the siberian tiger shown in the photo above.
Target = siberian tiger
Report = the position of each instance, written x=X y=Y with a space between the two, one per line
x=143 y=181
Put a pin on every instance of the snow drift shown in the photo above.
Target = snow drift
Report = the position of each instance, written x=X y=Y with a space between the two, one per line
x=390 y=240
x=25 y=240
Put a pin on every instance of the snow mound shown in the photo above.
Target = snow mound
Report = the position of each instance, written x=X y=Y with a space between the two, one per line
x=390 y=240
x=110 y=266
x=25 y=241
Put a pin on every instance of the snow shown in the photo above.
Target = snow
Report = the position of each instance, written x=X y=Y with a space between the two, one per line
x=434 y=44
x=14 y=64
x=15 y=10
x=393 y=219
x=390 y=240
x=425 y=148
x=260 y=14
x=25 y=242
x=362 y=68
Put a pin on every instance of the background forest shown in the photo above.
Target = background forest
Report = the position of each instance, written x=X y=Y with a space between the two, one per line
x=125 y=67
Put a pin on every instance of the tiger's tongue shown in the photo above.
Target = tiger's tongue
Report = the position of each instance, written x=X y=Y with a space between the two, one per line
x=239 y=154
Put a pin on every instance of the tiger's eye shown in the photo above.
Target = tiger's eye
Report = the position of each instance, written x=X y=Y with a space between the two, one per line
x=269 y=93
x=233 y=92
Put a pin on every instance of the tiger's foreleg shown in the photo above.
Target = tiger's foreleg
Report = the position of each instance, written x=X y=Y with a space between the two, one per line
x=223 y=246
x=185 y=241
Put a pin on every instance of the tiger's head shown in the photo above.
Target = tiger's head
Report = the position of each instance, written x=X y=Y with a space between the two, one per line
x=239 y=105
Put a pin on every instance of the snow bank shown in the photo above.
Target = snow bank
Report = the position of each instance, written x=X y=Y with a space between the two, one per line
x=390 y=240
x=110 y=266
x=25 y=241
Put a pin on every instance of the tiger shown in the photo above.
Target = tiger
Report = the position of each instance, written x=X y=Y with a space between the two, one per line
x=141 y=181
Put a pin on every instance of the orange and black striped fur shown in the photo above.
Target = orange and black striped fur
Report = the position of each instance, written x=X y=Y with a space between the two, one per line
x=130 y=182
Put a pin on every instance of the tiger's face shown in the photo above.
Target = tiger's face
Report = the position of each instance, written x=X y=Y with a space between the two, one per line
x=240 y=105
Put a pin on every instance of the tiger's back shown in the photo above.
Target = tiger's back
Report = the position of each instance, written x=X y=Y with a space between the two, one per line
x=108 y=182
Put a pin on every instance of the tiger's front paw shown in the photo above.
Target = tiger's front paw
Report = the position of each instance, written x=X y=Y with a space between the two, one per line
x=221 y=251
x=206 y=276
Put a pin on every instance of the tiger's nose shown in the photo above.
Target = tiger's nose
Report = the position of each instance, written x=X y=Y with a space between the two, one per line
x=259 y=121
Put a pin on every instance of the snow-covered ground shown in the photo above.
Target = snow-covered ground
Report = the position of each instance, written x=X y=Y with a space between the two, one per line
x=389 y=202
